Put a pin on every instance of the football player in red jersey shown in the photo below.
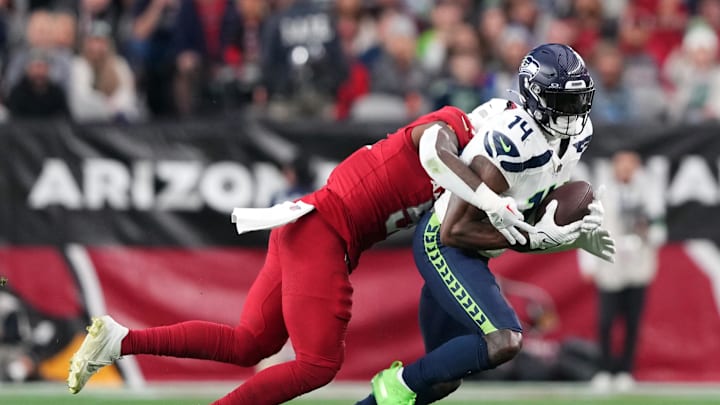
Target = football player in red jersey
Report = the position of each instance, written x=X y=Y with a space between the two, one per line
x=375 y=191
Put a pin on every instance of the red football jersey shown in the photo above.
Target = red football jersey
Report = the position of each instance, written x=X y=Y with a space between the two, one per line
x=382 y=188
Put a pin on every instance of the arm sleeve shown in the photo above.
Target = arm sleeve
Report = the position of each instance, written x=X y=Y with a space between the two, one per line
x=455 y=118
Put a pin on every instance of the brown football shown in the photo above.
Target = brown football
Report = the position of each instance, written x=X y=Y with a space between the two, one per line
x=573 y=199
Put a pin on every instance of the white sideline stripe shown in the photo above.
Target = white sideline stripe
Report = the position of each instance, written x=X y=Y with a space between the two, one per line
x=707 y=256
x=92 y=293
x=470 y=390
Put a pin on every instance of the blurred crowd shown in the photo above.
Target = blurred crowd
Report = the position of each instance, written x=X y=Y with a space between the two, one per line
x=137 y=60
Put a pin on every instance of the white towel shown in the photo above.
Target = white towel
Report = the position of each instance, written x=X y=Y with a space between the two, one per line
x=255 y=219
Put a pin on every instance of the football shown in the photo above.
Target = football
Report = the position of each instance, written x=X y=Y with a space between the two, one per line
x=573 y=199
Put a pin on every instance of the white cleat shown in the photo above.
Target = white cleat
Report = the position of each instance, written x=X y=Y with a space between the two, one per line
x=624 y=382
x=601 y=382
x=100 y=348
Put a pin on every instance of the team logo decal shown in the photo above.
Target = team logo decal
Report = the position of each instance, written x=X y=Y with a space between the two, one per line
x=529 y=66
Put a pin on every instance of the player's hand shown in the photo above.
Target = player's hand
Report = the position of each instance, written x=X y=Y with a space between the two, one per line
x=594 y=219
x=508 y=220
x=548 y=234
x=598 y=243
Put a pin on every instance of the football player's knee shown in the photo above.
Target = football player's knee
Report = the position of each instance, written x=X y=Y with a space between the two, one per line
x=503 y=345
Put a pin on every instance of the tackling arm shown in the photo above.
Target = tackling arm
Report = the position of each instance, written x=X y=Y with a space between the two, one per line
x=438 y=150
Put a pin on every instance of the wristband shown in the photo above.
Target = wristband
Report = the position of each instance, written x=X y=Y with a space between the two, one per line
x=486 y=199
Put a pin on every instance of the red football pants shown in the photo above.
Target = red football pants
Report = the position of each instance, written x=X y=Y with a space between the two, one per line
x=303 y=291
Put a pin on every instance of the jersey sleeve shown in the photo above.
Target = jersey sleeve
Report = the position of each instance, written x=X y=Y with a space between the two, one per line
x=455 y=118
x=488 y=110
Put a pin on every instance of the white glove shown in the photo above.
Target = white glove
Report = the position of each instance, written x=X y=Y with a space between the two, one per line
x=594 y=220
x=548 y=234
x=503 y=214
x=598 y=243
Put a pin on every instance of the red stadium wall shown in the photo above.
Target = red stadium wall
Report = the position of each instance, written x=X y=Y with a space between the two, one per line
x=143 y=287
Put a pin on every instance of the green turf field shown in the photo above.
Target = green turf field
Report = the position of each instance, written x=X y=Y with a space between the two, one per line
x=616 y=400
x=481 y=394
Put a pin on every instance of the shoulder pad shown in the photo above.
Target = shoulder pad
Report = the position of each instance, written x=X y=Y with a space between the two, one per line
x=487 y=110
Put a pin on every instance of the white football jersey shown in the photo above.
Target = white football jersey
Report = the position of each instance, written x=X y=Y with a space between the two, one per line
x=512 y=140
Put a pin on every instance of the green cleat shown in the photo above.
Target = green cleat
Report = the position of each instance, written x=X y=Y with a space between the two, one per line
x=388 y=389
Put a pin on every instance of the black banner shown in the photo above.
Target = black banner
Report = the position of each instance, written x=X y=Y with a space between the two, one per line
x=176 y=182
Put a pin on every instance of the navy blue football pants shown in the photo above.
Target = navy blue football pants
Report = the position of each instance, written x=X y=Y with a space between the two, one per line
x=460 y=295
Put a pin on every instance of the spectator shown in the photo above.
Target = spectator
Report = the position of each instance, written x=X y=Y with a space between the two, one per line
x=636 y=223
x=465 y=39
x=515 y=44
x=4 y=30
x=465 y=88
x=618 y=99
x=242 y=55
x=653 y=27
x=588 y=16
x=201 y=32
x=562 y=31
x=434 y=42
x=303 y=63
x=528 y=15
x=42 y=33
x=151 y=50
x=299 y=180
x=36 y=94
x=91 y=11
x=709 y=13
x=102 y=87
x=695 y=77
x=397 y=74
x=366 y=36
x=492 y=23
x=357 y=83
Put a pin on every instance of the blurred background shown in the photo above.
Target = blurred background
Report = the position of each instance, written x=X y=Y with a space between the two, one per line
x=131 y=128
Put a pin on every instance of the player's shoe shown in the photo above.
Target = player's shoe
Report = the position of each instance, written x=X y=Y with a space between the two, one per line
x=100 y=348
x=624 y=382
x=388 y=389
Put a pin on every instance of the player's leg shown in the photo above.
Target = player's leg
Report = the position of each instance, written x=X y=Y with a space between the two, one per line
x=466 y=290
x=259 y=334
x=634 y=300
x=607 y=312
x=107 y=340
x=316 y=308
x=436 y=328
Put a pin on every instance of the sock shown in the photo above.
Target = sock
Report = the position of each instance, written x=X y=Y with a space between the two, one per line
x=401 y=379
x=450 y=361
x=370 y=400
x=195 y=339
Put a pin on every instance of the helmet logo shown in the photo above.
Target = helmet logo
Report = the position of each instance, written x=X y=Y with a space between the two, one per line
x=529 y=66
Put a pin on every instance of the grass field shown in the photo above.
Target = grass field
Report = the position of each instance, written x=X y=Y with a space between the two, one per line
x=481 y=394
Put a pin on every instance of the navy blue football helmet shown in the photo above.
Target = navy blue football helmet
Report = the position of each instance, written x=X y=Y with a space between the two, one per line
x=556 y=89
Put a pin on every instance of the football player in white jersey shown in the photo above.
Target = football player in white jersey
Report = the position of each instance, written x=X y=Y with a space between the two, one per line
x=521 y=152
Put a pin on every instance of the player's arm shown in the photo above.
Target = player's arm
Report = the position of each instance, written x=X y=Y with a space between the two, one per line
x=464 y=228
x=439 y=154
x=438 y=150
